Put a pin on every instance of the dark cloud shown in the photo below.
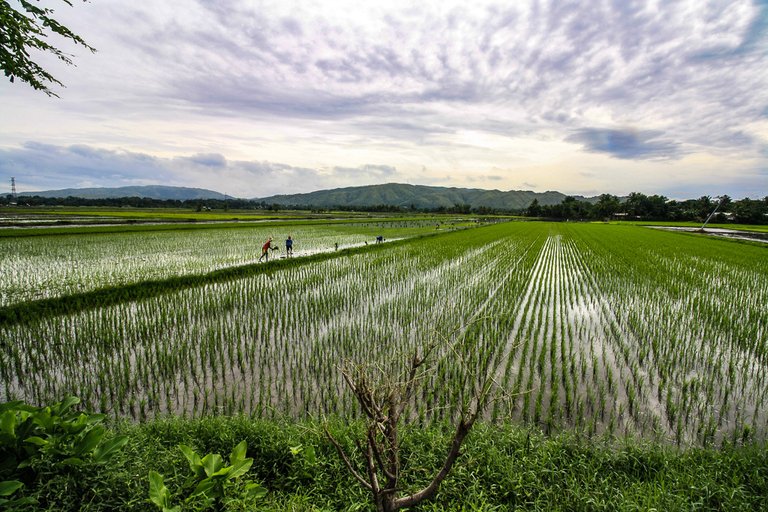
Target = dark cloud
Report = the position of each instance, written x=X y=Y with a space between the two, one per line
x=206 y=160
x=626 y=144
x=37 y=166
x=43 y=166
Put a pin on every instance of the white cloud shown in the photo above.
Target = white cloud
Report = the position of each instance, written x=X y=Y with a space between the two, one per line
x=449 y=86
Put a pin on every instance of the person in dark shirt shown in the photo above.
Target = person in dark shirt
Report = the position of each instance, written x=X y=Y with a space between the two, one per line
x=289 y=246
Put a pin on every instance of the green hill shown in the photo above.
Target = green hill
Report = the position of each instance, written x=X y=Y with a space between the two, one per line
x=402 y=195
x=149 y=191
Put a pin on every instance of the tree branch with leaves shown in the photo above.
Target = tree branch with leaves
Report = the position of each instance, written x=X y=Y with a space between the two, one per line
x=25 y=29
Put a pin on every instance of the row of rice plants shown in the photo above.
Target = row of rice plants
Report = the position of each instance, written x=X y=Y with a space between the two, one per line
x=41 y=267
x=690 y=317
x=605 y=329
x=264 y=345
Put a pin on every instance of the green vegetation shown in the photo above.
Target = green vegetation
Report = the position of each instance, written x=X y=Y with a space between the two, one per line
x=24 y=30
x=502 y=467
x=53 y=265
x=628 y=362
x=37 y=442
x=603 y=329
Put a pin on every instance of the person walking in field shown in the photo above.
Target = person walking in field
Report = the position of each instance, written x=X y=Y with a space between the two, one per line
x=265 y=249
x=289 y=247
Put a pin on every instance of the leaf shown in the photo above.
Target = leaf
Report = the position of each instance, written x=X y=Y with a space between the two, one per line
x=106 y=450
x=295 y=450
x=195 y=464
x=10 y=406
x=309 y=455
x=238 y=452
x=8 y=423
x=239 y=469
x=159 y=494
x=9 y=487
x=203 y=488
x=96 y=418
x=256 y=491
x=39 y=441
x=90 y=441
x=212 y=463
x=72 y=461
x=66 y=404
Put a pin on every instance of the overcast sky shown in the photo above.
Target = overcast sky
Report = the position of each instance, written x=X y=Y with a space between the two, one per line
x=258 y=98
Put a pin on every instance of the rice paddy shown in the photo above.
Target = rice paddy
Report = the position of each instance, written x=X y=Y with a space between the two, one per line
x=602 y=329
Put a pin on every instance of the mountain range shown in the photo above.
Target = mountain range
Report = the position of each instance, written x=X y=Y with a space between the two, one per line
x=419 y=196
x=149 y=191
x=390 y=194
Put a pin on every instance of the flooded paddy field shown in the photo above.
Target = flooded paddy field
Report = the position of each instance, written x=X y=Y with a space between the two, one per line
x=735 y=234
x=602 y=329
x=45 y=266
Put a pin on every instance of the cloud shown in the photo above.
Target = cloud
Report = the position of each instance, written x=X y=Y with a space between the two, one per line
x=39 y=166
x=326 y=91
x=626 y=144
x=206 y=160
x=45 y=165
x=368 y=171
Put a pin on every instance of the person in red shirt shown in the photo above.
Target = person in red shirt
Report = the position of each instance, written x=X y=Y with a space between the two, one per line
x=265 y=250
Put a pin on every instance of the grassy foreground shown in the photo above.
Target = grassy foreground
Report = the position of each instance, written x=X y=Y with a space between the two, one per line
x=501 y=468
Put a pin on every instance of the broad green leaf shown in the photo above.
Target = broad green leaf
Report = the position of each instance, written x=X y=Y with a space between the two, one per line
x=44 y=419
x=9 y=487
x=36 y=440
x=8 y=423
x=108 y=448
x=195 y=462
x=256 y=491
x=67 y=403
x=72 y=461
x=309 y=454
x=238 y=452
x=90 y=441
x=239 y=468
x=194 y=459
x=11 y=406
x=212 y=463
x=158 y=492
x=203 y=488
x=96 y=418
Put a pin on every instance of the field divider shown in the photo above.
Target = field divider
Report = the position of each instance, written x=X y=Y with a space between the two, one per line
x=32 y=311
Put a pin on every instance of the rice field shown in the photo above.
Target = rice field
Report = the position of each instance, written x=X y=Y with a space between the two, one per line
x=34 y=267
x=603 y=329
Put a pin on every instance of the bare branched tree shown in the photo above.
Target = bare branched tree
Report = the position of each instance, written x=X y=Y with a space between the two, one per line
x=387 y=402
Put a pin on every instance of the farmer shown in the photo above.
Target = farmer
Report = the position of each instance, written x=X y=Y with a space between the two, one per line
x=289 y=247
x=379 y=239
x=265 y=249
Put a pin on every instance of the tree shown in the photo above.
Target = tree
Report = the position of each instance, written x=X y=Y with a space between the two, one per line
x=25 y=29
x=386 y=399
x=607 y=205
x=534 y=209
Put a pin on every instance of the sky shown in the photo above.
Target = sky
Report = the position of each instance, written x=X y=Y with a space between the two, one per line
x=256 y=98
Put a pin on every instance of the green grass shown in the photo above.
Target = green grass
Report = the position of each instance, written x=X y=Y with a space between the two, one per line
x=501 y=468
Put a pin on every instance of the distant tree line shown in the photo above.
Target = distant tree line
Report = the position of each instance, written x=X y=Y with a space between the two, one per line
x=639 y=206
x=636 y=206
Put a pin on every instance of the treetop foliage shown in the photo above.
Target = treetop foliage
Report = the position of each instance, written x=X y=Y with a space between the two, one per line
x=26 y=28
